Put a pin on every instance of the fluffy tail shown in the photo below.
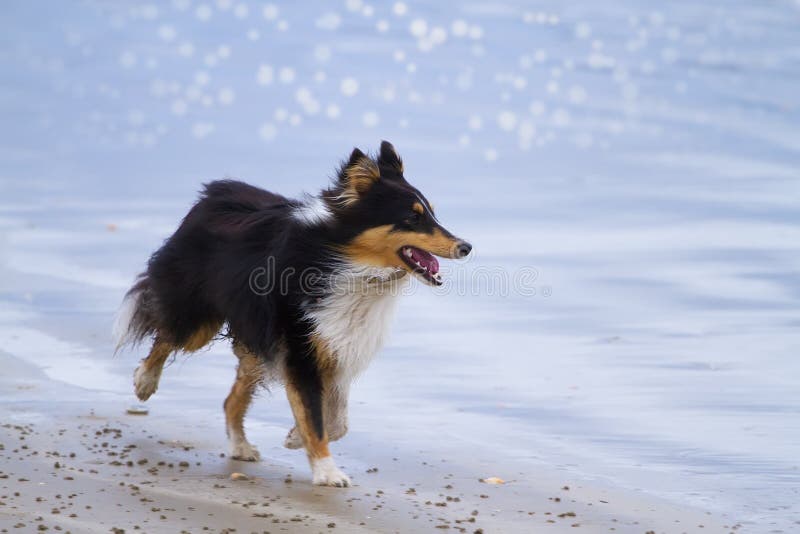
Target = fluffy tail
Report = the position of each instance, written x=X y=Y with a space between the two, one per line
x=136 y=318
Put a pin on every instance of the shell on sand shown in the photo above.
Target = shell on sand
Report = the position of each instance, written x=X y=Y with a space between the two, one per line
x=138 y=409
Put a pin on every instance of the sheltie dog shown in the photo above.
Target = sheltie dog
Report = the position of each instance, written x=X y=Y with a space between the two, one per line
x=304 y=289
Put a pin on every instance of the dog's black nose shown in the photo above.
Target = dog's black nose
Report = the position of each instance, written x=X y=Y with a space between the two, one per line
x=463 y=249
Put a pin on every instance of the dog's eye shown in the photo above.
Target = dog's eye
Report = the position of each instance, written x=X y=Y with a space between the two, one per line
x=414 y=218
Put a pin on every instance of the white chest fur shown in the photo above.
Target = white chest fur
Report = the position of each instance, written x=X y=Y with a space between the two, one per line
x=354 y=324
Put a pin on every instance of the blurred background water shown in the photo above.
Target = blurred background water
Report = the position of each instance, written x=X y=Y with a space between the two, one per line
x=642 y=157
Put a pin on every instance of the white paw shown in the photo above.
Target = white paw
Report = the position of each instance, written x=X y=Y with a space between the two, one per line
x=145 y=383
x=325 y=473
x=242 y=450
x=293 y=439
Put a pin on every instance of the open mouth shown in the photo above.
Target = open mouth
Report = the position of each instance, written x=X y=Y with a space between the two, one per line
x=422 y=263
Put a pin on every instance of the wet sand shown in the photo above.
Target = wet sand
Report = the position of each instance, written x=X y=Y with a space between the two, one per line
x=73 y=460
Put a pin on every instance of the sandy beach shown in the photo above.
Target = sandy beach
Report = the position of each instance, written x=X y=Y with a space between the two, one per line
x=74 y=461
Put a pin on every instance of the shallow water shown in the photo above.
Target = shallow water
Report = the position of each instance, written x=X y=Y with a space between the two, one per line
x=635 y=166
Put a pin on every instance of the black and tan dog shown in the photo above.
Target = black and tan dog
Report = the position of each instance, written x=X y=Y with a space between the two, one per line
x=305 y=289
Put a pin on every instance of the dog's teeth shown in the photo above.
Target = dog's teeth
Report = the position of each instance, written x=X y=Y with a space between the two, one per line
x=407 y=252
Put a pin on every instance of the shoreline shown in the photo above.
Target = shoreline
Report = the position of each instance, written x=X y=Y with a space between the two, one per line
x=83 y=465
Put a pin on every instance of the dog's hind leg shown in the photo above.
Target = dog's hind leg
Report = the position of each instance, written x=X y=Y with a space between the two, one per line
x=249 y=375
x=147 y=375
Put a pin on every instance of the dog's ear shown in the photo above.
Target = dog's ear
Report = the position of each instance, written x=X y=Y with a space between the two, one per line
x=358 y=175
x=388 y=157
x=355 y=156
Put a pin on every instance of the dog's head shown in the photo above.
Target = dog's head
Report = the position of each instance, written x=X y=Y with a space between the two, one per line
x=390 y=223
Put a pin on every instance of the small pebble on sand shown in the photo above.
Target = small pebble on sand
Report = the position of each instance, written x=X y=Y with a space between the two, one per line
x=138 y=409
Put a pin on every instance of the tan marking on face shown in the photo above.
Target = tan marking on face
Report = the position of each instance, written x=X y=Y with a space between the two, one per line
x=360 y=176
x=378 y=246
x=418 y=208
x=201 y=337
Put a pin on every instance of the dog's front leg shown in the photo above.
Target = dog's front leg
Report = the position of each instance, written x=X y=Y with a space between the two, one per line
x=336 y=394
x=304 y=389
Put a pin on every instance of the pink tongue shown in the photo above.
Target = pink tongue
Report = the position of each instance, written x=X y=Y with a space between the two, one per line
x=426 y=259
